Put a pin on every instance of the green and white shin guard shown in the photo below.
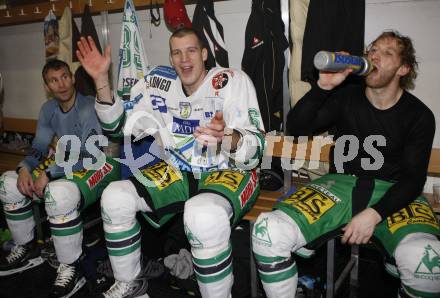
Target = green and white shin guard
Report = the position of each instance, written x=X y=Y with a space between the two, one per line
x=275 y=235
x=418 y=263
x=207 y=228
x=214 y=274
x=61 y=199
x=124 y=249
x=17 y=209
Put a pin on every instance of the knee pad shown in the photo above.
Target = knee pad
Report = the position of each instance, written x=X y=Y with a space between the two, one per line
x=62 y=199
x=9 y=193
x=418 y=262
x=206 y=218
x=120 y=202
x=276 y=234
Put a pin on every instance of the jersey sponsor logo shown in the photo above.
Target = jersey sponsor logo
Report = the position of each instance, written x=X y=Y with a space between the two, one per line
x=429 y=265
x=185 y=109
x=220 y=80
x=99 y=175
x=184 y=126
x=160 y=83
x=129 y=82
x=158 y=103
x=311 y=203
x=418 y=212
x=208 y=115
x=161 y=174
x=249 y=189
x=164 y=71
x=229 y=179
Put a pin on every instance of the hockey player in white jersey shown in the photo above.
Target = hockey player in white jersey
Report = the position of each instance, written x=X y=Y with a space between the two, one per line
x=210 y=127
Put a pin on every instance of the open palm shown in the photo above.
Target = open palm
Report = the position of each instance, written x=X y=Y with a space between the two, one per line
x=96 y=64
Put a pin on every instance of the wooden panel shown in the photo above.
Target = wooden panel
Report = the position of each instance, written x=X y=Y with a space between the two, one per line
x=279 y=146
x=20 y=125
x=37 y=12
x=9 y=161
x=434 y=163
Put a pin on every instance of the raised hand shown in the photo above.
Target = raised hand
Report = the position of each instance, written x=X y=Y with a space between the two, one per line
x=95 y=64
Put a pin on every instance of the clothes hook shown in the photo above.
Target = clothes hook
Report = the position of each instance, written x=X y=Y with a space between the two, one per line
x=37 y=10
x=22 y=12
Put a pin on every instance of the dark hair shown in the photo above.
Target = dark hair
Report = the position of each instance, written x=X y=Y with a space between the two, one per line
x=54 y=64
x=188 y=31
x=407 y=55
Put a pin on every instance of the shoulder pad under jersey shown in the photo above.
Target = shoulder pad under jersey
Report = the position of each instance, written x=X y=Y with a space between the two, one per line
x=164 y=71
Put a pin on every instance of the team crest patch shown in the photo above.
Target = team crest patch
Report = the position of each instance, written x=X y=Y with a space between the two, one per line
x=429 y=265
x=261 y=232
x=48 y=199
x=220 y=80
x=192 y=239
x=185 y=109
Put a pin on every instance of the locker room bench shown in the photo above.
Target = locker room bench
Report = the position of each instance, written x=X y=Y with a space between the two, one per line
x=267 y=199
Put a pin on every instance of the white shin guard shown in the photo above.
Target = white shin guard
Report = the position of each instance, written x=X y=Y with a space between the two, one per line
x=418 y=262
x=121 y=228
x=274 y=237
x=17 y=209
x=207 y=227
x=62 y=199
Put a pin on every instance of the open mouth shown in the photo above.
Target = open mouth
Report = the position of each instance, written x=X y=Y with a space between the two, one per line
x=186 y=69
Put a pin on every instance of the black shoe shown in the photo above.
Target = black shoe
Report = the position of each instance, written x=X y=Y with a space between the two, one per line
x=135 y=288
x=189 y=286
x=69 y=280
x=21 y=258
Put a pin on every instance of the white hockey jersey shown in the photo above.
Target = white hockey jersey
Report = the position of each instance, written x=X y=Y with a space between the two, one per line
x=159 y=107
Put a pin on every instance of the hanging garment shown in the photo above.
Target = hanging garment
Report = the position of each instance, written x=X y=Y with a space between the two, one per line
x=133 y=66
x=51 y=35
x=263 y=59
x=68 y=39
x=205 y=21
x=83 y=82
x=298 y=16
x=332 y=26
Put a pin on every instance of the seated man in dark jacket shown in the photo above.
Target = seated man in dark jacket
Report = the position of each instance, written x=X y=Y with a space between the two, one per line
x=375 y=187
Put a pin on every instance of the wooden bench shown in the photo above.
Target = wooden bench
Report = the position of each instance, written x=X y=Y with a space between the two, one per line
x=277 y=147
x=9 y=158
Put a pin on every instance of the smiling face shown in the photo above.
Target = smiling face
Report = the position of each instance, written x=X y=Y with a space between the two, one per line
x=385 y=54
x=187 y=57
x=60 y=83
